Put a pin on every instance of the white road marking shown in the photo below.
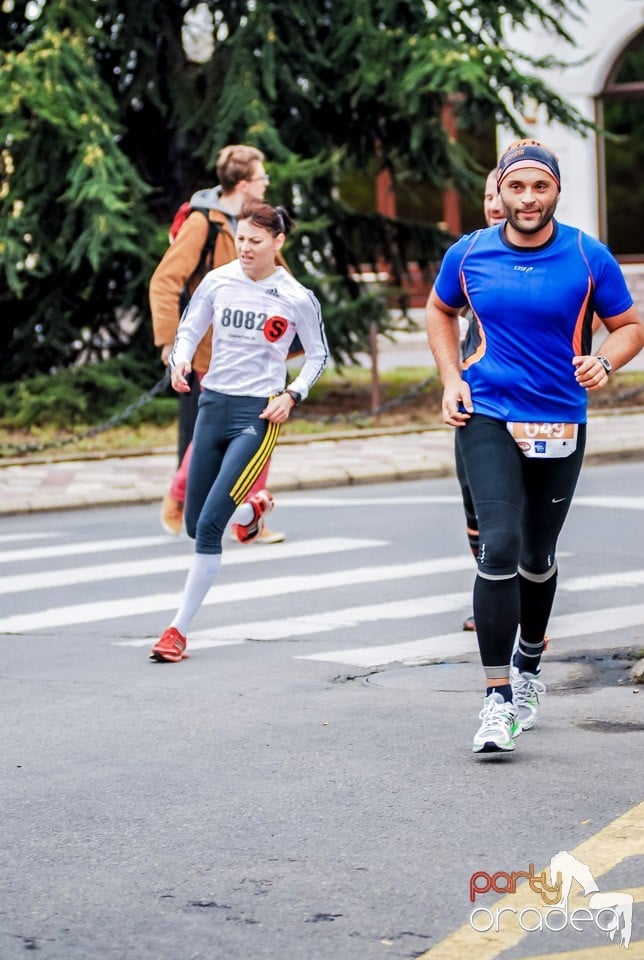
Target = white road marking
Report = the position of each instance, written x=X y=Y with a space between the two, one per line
x=167 y=564
x=334 y=500
x=454 y=644
x=22 y=537
x=322 y=622
x=227 y=593
x=430 y=648
x=596 y=621
x=85 y=546
x=602 y=581
x=610 y=503
x=337 y=500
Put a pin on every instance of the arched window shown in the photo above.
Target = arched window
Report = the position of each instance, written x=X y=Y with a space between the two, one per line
x=620 y=110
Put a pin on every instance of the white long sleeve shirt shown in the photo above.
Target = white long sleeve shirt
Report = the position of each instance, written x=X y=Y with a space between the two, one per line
x=254 y=322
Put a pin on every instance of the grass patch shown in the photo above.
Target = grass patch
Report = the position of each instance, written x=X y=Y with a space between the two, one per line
x=49 y=411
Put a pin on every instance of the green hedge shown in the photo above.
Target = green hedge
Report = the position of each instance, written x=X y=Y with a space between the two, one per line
x=86 y=395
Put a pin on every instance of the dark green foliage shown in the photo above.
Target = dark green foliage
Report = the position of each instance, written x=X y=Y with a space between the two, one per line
x=106 y=125
x=84 y=395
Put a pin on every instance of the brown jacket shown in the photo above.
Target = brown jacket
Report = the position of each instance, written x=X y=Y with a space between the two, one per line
x=177 y=268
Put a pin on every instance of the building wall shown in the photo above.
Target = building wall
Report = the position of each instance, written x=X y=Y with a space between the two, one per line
x=602 y=32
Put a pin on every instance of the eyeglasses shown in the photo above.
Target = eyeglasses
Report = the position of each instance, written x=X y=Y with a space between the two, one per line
x=265 y=177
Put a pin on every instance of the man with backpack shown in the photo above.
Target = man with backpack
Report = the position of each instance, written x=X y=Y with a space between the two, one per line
x=204 y=240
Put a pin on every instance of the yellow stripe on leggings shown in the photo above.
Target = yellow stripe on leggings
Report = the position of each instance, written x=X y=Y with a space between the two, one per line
x=255 y=466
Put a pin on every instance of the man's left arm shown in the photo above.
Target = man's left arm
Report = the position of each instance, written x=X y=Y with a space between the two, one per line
x=624 y=341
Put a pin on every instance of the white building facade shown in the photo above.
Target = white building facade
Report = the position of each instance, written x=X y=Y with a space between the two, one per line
x=596 y=189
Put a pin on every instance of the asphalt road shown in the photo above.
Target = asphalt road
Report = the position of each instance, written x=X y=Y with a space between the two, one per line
x=303 y=786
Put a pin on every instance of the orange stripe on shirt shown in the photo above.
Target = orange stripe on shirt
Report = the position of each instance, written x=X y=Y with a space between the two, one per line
x=579 y=322
x=480 y=350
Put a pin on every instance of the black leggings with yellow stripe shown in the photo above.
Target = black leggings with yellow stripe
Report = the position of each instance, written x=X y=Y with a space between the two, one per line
x=231 y=446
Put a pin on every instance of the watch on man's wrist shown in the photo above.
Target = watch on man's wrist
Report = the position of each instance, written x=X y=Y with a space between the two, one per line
x=606 y=364
x=295 y=396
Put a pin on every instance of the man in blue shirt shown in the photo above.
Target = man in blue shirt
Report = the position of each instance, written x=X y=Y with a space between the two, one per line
x=518 y=399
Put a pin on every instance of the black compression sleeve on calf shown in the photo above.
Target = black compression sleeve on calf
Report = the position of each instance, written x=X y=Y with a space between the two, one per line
x=537 y=598
x=496 y=613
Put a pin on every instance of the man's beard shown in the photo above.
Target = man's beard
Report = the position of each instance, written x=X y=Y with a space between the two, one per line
x=533 y=226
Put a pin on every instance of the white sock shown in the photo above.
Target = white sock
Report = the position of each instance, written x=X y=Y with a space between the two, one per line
x=243 y=514
x=201 y=576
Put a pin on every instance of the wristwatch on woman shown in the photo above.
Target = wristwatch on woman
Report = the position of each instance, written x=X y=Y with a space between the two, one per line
x=294 y=395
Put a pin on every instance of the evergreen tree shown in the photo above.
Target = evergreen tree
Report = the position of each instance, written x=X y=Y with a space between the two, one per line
x=107 y=124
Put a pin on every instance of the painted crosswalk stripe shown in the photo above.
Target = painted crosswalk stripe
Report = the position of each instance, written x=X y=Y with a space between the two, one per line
x=316 y=623
x=200 y=640
x=76 y=548
x=306 y=501
x=611 y=503
x=429 y=648
x=603 y=581
x=228 y=593
x=454 y=644
x=444 y=645
x=165 y=563
x=22 y=537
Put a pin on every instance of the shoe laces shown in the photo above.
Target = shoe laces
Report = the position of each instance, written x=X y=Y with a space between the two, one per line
x=496 y=714
x=526 y=688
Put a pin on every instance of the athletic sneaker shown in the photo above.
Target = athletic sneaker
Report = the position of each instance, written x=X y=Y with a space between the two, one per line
x=262 y=503
x=271 y=536
x=171 y=515
x=500 y=726
x=266 y=536
x=526 y=689
x=171 y=647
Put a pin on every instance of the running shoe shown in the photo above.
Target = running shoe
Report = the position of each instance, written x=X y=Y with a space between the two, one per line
x=266 y=536
x=171 y=515
x=499 y=728
x=271 y=536
x=171 y=647
x=526 y=690
x=262 y=503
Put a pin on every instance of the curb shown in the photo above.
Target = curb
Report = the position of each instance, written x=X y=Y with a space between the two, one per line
x=295 y=440
x=318 y=462
x=340 y=478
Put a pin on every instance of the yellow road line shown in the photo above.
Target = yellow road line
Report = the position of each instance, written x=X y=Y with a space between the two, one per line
x=606 y=952
x=610 y=952
x=622 y=838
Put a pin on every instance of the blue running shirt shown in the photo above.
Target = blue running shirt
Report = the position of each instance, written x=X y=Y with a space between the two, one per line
x=532 y=310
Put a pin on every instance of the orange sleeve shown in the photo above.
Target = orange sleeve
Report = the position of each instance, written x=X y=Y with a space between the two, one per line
x=179 y=262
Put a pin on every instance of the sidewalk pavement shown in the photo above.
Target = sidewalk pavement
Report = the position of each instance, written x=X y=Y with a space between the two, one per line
x=297 y=464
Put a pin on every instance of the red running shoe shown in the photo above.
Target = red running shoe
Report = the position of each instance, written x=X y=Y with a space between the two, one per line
x=171 y=647
x=262 y=503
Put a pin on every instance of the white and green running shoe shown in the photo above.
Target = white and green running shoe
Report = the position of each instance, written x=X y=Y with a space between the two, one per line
x=526 y=690
x=499 y=728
